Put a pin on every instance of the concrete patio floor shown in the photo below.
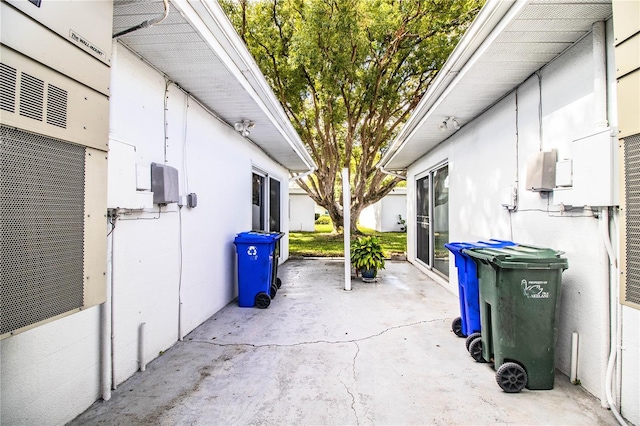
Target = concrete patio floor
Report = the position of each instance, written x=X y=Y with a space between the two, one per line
x=382 y=353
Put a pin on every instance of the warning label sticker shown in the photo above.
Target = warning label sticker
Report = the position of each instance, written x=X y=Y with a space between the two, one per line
x=86 y=43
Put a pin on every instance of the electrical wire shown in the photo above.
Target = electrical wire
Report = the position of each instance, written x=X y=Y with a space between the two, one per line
x=112 y=222
x=562 y=212
x=540 y=134
x=167 y=83
x=148 y=218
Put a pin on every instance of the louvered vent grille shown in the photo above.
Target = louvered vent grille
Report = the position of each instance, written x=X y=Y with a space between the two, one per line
x=7 y=88
x=632 y=201
x=31 y=96
x=41 y=228
x=56 y=106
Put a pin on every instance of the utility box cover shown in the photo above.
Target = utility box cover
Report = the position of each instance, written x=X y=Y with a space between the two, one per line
x=164 y=184
x=541 y=171
x=595 y=169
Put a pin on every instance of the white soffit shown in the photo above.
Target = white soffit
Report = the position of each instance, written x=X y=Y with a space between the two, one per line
x=202 y=54
x=539 y=31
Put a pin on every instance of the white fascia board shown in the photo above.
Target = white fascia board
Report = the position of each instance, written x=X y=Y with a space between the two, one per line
x=210 y=21
x=490 y=22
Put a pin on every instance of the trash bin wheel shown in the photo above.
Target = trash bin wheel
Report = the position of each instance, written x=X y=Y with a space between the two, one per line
x=262 y=300
x=475 y=349
x=274 y=290
x=471 y=338
x=511 y=377
x=278 y=282
x=456 y=327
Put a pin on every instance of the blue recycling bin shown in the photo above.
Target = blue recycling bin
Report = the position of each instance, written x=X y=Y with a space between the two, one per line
x=257 y=268
x=469 y=295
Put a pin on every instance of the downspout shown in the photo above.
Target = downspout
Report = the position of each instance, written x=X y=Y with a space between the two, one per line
x=303 y=175
x=387 y=172
x=148 y=23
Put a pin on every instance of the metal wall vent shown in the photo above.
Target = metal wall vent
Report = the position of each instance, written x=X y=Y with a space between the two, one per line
x=42 y=186
x=31 y=96
x=631 y=291
x=56 y=106
x=7 y=88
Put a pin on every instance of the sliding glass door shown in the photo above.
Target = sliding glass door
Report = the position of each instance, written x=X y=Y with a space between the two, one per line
x=265 y=203
x=432 y=219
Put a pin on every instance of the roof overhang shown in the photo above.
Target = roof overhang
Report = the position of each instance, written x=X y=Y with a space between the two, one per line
x=507 y=43
x=197 y=48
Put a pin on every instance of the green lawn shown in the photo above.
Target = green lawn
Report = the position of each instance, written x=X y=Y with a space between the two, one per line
x=322 y=243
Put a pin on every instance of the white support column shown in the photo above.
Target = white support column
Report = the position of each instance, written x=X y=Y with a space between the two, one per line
x=346 y=221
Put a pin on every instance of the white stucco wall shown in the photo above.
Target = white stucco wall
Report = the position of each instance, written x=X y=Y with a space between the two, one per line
x=301 y=212
x=485 y=157
x=383 y=215
x=52 y=373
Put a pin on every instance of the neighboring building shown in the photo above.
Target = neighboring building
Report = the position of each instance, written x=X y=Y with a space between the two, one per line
x=384 y=216
x=517 y=139
x=302 y=210
x=99 y=274
x=381 y=216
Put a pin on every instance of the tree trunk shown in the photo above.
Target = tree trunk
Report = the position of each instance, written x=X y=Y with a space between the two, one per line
x=337 y=217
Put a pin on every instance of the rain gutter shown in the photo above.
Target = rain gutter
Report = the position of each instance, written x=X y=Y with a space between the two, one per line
x=148 y=23
x=208 y=18
x=490 y=22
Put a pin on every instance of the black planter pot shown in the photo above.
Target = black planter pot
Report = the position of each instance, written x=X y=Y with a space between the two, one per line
x=368 y=275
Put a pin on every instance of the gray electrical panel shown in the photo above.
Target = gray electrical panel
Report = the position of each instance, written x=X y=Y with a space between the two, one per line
x=164 y=184
x=541 y=171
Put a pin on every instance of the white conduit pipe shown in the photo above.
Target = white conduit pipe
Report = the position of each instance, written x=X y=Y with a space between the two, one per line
x=599 y=74
x=105 y=329
x=141 y=354
x=604 y=226
x=112 y=337
x=574 y=358
x=605 y=316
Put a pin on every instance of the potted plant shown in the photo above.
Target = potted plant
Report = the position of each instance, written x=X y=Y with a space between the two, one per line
x=367 y=257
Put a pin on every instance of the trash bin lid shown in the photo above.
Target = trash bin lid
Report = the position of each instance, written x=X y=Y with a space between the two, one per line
x=255 y=237
x=521 y=257
x=459 y=246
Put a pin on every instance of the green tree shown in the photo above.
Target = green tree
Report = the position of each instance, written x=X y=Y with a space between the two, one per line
x=348 y=73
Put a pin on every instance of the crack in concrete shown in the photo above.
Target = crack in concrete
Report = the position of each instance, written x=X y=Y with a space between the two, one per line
x=315 y=342
x=353 y=397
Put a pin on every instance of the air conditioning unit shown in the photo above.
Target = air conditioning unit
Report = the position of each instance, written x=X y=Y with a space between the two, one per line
x=627 y=39
x=54 y=122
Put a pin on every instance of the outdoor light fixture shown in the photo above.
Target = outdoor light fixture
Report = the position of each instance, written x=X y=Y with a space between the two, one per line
x=449 y=120
x=243 y=127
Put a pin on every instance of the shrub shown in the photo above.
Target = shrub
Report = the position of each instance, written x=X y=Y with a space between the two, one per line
x=323 y=220
x=366 y=253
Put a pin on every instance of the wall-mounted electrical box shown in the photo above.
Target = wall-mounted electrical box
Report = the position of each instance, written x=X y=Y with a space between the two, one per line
x=564 y=173
x=541 y=171
x=192 y=200
x=594 y=174
x=595 y=169
x=164 y=184
x=509 y=197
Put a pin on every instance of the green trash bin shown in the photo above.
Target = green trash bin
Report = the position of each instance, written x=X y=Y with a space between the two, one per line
x=519 y=299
